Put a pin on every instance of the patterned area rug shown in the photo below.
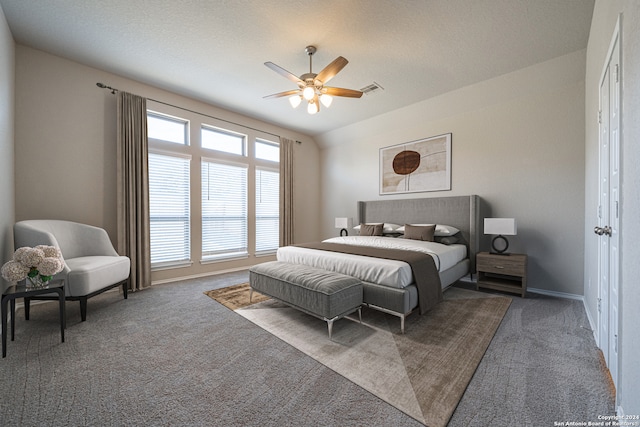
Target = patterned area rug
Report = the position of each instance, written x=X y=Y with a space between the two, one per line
x=236 y=296
x=423 y=372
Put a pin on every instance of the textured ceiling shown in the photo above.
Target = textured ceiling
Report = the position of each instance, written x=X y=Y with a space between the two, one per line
x=214 y=50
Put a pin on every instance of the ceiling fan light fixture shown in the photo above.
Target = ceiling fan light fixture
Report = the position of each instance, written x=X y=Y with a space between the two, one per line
x=295 y=100
x=326 y=100
x=311 y=86
x=308 y=93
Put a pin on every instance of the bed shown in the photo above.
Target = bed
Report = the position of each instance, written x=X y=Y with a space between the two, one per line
x=389 y=284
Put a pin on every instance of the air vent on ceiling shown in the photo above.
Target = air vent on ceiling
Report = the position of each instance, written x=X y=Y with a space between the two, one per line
x=371 y=89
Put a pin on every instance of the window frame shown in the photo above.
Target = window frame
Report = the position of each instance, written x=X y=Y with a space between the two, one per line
x=230 y=255
x=186 y=262
x=170 y=118
x=265 y=252
x=244 y=148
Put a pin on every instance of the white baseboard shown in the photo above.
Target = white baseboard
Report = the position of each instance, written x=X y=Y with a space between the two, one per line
x=200 y=275
x=556 y=294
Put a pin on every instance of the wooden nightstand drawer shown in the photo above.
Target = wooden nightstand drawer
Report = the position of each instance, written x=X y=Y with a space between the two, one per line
x=514 y=265
x=506 y=273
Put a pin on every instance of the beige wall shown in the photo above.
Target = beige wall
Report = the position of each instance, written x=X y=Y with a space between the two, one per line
x=65 y=148
x=605 y=15
x=518 y=142
x=7 y=206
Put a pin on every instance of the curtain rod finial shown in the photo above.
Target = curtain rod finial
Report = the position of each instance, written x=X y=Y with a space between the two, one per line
x=104 y=86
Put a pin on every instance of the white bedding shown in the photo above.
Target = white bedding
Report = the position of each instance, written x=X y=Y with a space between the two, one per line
x=392 y=273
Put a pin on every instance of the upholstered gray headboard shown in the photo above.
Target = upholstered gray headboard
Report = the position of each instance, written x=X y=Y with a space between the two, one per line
x=462 y=212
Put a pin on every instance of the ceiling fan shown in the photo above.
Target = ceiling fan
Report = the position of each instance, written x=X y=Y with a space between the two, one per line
x=311 y=86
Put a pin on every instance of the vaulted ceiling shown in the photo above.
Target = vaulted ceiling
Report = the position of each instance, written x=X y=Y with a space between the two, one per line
x=214 y=51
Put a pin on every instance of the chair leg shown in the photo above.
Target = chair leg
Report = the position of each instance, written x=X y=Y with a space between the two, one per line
x=83 y=308
x=125 y=288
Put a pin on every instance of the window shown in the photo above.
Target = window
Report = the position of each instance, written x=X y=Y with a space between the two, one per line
x=267 y=210
x=224 y=210
x=231 y=175
x=169 y=209
x=166 y=128
x=221 y=140
x=266 y=150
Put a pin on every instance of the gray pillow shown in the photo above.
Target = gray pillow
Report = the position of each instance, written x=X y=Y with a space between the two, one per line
x=447 y=240
x=419 y=232
x=371 y=229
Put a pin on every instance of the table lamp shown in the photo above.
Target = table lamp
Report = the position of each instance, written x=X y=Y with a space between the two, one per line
x=343 y=224
x=500 y=227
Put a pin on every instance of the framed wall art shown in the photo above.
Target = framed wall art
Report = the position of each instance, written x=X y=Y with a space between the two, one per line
x=416 y=166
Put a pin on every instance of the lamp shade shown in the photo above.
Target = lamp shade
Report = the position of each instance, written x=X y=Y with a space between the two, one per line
x=500 y=226
x=343 y=223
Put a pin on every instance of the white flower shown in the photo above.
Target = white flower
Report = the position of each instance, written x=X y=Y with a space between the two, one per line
x=29 y=257
x=50 y=251
x=50 y=266
x=42 y=260
x=14 y=271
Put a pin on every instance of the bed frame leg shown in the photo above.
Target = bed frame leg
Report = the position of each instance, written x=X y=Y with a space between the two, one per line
x=250 y=293
x=402 y=324
x=330 y=327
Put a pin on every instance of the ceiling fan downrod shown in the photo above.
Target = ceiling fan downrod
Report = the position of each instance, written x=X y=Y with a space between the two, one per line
x=310 y=51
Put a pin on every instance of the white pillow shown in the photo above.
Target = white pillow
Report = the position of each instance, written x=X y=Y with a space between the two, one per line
x=441 y=230
x=386 y=228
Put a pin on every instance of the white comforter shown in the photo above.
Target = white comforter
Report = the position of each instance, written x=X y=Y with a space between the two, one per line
x=392 y=273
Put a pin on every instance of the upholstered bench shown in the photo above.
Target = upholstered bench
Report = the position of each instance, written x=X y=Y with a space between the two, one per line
x=321 y=293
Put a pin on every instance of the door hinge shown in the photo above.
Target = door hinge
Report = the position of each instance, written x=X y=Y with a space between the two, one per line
x=617 y=73
x=617 y=211
x=615 y=343
x=600 y=117
x=599 y=211
x=599 y=305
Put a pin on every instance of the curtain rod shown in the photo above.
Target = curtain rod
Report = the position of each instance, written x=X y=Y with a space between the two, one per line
x=114 y=91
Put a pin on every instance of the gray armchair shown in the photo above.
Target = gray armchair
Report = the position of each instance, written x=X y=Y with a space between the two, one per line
x=92 y=265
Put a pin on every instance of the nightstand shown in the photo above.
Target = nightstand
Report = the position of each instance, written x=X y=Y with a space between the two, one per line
x=507 y=273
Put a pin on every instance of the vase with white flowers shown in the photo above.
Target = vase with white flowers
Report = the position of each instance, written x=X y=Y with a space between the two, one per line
x=37 y=265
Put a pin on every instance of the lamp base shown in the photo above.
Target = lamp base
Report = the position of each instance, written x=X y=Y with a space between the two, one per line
x=500 y=250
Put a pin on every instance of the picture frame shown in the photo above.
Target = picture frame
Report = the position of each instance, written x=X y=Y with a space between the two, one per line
x=416 y=166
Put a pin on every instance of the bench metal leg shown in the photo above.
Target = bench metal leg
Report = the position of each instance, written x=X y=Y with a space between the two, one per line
x=330 y=326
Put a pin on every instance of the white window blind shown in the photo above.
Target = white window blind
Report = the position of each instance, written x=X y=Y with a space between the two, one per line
x=169 y=209
x=224 y=210
x=267 y=210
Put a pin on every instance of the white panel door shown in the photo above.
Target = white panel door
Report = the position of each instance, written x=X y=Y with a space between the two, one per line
x=608 y=228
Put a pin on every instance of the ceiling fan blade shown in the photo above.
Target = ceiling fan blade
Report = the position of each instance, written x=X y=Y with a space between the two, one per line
x=338 y=91
x=331 y=70
x=278 y=69
x=281 y=94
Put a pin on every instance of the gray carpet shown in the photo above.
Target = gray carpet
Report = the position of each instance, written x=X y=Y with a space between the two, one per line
x=172 y=356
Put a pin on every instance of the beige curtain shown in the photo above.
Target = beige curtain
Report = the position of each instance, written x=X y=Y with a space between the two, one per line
x=286 y=191
x=133 y=188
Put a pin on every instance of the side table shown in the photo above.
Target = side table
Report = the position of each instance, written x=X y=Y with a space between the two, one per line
x=507 y=273
x=20 y=291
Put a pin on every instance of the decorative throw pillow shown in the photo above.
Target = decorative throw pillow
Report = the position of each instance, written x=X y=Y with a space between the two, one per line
x=447 y=240
x=416 y=232
x=371 y=229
